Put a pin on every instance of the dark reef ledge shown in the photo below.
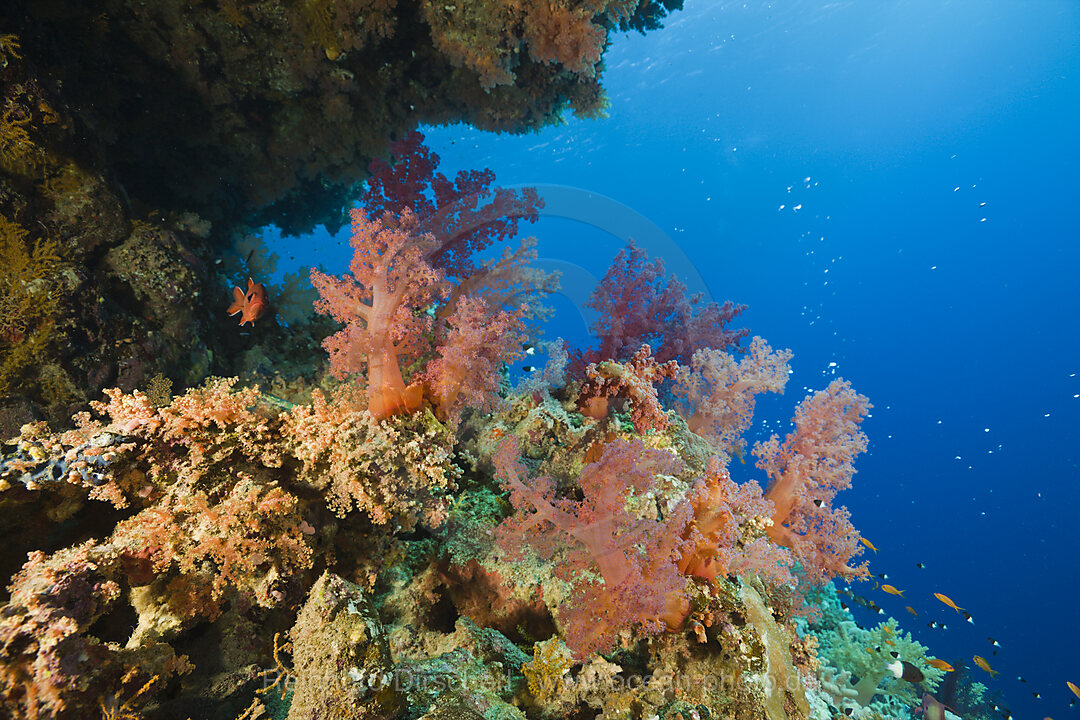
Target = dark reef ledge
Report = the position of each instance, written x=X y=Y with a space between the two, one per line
x=139 y=139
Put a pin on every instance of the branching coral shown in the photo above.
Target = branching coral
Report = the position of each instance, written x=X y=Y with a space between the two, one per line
x=717 y=391
x=382 y=304
x=416 y=295
x=389 y=281
x=866 y=653
x=639 y=305
x=635 y=380
x=622 y=567
x=551 y=661
x=815 y=461
x=465 y=215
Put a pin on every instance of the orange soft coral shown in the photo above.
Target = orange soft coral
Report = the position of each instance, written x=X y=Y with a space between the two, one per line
x=389 y=281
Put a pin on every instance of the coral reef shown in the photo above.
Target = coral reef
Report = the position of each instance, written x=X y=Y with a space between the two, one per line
x=395 y=578
x=406 y=534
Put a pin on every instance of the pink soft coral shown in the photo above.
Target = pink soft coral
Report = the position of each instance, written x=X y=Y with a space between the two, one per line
x=635 y=380
x=635 y=556
x=418 y=296
x=390 y=280
x=719 y=540
x=816 y=461
x=721 y=509
x=718 y=391
x=478 y=341
x=383 y=303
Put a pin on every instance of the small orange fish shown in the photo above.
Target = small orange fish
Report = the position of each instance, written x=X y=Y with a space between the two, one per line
x=1076 y=690
x=251 y=305
x=945 y=599
x=911 y=610
x=892 y=591
x=940 y=664
x=868 y=544
x=981 y=662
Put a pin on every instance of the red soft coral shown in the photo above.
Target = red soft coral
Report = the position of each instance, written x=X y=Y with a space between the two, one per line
x=639 y=305
x=816 y=461
x=383 y=304
x=464 y=215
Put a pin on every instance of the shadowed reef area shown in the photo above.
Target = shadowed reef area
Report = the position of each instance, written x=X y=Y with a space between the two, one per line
x=139 y=140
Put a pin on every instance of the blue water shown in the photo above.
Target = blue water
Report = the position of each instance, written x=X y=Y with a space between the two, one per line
x=891 y=187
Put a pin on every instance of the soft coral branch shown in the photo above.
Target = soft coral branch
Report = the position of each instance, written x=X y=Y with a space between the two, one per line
x=478 y=342
x=718 y=391
x=464 y=216
x=635 y=556
x=638 y=304
x=390 y=280
x=416 y=282
x=814 y=462
x=635 y=380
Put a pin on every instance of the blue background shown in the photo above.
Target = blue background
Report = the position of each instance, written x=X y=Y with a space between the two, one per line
x=932 y=150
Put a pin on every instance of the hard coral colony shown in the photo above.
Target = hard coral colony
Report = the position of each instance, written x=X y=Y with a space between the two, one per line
x=422 y=519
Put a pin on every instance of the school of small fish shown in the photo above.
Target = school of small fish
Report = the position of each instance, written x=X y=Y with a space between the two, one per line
x=904 y=670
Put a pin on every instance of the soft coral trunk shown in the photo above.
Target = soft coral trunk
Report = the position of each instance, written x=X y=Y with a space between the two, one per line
x=389 y=279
